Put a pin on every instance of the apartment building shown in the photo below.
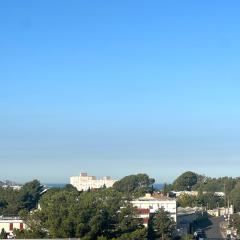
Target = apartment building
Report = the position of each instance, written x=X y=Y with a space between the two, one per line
x=83 y=182
x=151 y=203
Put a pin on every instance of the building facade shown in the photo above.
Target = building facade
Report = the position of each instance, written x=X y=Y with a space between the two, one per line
x=11 y=223
x=151 y=203
x=186 y=217
x=83 y=182
x=144 y=215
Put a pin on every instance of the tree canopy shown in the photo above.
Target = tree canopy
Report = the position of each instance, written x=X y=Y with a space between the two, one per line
x=235 y=197
x=161 y=225
x=12 y=201
x=102 y=214
x=133 y=183
x=186 y=181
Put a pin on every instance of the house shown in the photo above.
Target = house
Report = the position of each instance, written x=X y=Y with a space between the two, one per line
x=181 y=193
x=144 y=215
x=221 y=211
x=11 y=223
x=185 y=218
x=151 y=203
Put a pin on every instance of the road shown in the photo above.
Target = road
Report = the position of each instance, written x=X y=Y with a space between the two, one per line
x=213 y=231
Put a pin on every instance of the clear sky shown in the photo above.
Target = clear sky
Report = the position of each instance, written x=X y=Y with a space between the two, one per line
x=119 y=87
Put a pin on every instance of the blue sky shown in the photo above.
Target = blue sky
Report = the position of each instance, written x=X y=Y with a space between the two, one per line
x=119 y=87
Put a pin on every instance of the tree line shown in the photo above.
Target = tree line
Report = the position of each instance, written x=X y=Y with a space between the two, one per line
x=106 y=213
x=13 y=201
x=96 y=214
x=206 y=188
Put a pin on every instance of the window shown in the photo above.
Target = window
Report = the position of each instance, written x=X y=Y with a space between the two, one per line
x=21 y=226
x=10 y=226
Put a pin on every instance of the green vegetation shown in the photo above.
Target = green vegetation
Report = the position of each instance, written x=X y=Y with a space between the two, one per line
x=187 y=181
x=12 y=201
x=86 y=215
x=97 y=214
x=161 y=225
x=134 y=184
x=208 y=200
x=106 y=214
x=217 y=184
x=190 y=181
x=235 y=196
x=206 y=187
x=3 y=234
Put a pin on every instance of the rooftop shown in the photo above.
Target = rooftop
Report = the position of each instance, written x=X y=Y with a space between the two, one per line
x=10 y=218
x=155 y=197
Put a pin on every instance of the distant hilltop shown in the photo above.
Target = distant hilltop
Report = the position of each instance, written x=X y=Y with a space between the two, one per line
x=83 y=182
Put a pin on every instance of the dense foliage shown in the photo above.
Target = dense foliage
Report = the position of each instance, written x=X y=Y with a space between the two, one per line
x=161 y=225
x=12 y=201
x=134 y=183
x=235 y=197
x=106 y=213
x=222 y=184
x=208 y=200
x=186 y=181
x=63 y=213
x=192 y=181
x=67 y=213
x=206 y=187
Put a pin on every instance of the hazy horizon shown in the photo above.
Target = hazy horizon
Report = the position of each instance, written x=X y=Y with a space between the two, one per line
x=117 y=88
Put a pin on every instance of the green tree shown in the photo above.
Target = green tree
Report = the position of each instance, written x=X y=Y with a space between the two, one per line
x=29 y=195
x=222 y=184
x=10 y=203
x=165 y=189
x=3 y=234
x=235 y=197
x=29 y=234
x=139 y=234
x=186 y=200
x=70 y=188
x=209 y=200
x=133 y=183
x=87 y=215
x=186 y=181
x=162 y=224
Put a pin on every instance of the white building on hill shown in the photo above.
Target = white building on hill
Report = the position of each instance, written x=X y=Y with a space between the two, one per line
x=83 y=182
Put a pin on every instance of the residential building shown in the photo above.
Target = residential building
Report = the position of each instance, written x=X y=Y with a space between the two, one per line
x=185 y=217
x=11 y=223
x=180 y=193
x=223 y=211
x=144 y=215
x=83 y=182
x=194 y=193
x=151 y=203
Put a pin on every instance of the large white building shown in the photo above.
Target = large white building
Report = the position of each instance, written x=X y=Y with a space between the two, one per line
x=151 y=203
x=83 y=182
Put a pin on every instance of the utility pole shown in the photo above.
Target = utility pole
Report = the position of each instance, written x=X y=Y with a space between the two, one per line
x=228 y=213
x=225 y=197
